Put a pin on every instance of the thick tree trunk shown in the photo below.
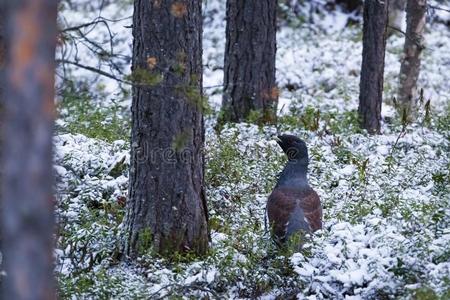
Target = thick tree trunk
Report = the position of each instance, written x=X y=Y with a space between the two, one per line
x=396 y=16
x=27 y=216
x=372 y=68
x=249 y=83
x=410 y=68
x=166 y=211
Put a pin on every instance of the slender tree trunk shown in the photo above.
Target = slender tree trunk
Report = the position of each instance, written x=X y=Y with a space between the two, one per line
x=2 y=85
x=166 y=211
x=372 y=68
x=249 y=83
x=396 y=15
x=27 y=216
x=410 y=68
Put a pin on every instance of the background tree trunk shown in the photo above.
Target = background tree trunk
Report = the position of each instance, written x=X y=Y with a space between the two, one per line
x=249 y=83
x=372 y=68
x=167 y=211
x=410 y=67
x=396 y=15
x=27 y=216
x=2 y=85
x=350 y=5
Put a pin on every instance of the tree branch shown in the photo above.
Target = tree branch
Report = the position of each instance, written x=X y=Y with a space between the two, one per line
x=92 y=69
x=439 y=8
x=418 y=44
x=95 y=22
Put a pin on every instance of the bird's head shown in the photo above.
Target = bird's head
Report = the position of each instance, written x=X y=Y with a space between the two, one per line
x=294 y=148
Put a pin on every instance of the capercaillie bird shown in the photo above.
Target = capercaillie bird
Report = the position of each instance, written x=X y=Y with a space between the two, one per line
x=293 y=206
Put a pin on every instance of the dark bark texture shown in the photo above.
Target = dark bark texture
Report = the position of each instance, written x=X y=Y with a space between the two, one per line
x=27 y=216
x=249 y=70
x=410 y=67
x=166 y=211
x=372 y=68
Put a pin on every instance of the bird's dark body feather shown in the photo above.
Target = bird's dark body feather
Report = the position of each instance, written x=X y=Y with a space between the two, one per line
x=293 y=205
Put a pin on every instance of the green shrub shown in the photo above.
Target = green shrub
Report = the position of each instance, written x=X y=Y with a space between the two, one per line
x=81 y=113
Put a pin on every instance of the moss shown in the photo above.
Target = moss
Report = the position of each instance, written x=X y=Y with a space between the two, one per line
x=194 y=96
x=180 y=141
x=145 y=77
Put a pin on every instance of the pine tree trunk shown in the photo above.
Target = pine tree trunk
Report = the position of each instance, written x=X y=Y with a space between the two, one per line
x=2 y=85
x=372 y=68
x=249 y=82
x=410 y=67
x=27 y=217
x=166 y=211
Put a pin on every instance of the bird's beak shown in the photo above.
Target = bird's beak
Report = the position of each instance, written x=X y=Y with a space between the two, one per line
x=277 y=139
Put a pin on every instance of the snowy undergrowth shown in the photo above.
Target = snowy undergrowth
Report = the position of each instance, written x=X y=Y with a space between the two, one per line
x=386 y=210
x=386 y=198
x=386 y=217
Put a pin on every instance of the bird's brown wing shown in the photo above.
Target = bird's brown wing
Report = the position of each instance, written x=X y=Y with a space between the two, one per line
x=282 y=203
x=279 y=207
x=310 y=203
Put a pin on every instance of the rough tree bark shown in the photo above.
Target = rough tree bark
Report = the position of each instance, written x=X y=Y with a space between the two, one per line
x=166 y=211
x=372 y=68
x=27 y=216
x=410 y=67
x=249 y=82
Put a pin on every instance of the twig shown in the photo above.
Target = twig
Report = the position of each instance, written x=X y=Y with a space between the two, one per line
x=439 y=8
x=402 y=134
x=95 y=22
x=79 y=27
x=109 y=75
x=95 y=70
x=418 y=44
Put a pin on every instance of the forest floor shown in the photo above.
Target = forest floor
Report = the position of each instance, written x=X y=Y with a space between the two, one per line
x=386 y=198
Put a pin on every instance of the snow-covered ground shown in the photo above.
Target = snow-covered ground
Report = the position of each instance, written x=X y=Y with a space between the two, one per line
x=386 y=198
